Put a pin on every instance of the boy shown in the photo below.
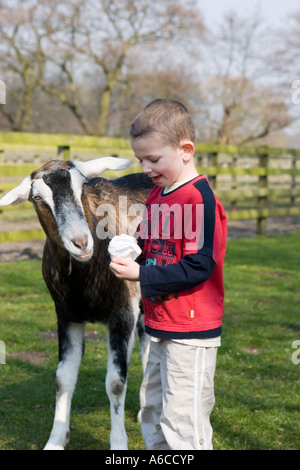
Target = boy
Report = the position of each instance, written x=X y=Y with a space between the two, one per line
x=183 y=241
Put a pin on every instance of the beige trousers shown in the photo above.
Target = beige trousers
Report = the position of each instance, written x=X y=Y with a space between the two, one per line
x=177 y=396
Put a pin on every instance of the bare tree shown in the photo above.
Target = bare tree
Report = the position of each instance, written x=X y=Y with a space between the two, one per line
x=101 y=33
x=288 y=47
x=53 y=46
x=143 y=86
x=22 y=58
x=289 y=44
x=98 y=61
x=238 y=98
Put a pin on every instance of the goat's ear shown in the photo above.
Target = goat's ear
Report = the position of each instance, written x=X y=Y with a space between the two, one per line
x=99 y=165
x=18 y=194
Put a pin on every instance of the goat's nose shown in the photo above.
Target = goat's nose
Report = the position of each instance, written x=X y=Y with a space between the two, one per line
x=80 y=242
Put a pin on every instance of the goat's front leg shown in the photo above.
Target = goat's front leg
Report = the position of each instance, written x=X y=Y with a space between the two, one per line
x=119 y=351
x=71 y=347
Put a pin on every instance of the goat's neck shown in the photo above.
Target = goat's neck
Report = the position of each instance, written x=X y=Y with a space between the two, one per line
x=56 y=254
x=61 y=260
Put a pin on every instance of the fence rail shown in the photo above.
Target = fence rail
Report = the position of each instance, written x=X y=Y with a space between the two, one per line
x=252 y=182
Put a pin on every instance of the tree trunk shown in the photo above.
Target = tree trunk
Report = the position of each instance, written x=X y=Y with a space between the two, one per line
x=224 y=131
x=26 y=109
x=104 y=107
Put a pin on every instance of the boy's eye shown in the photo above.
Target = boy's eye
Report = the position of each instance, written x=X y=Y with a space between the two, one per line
x=151 y=160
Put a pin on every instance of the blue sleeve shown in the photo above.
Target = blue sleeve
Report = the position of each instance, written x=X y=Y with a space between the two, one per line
x=189 y=272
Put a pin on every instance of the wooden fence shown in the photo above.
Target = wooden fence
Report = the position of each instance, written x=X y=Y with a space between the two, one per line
x=252 y=182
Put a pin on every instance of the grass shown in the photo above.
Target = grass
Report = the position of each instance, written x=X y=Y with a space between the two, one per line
x=256 y=382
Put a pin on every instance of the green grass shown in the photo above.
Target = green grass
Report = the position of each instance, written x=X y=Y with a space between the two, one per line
x=256 y=383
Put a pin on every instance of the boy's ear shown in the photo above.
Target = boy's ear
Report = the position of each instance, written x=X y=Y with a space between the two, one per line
x=188 y=148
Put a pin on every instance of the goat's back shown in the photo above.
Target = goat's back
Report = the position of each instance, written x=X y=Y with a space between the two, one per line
x=135 y=182
x=135 y=187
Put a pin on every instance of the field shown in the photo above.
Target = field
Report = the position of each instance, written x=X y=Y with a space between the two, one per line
x=257 y=381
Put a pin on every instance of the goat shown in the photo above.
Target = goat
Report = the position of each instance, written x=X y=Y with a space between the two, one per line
x=75 y=267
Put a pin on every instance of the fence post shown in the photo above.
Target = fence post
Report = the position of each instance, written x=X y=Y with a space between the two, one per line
x=199 y=159
x=213 y=162
x=233 y=202
x=63 y=152
x=262 y=201
x=37 y=159
x=293 y=178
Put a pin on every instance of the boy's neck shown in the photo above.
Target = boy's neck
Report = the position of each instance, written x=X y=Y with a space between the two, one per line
x=168 y=189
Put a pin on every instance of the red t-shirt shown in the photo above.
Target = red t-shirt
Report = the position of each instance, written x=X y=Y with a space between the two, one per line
x=183 y=240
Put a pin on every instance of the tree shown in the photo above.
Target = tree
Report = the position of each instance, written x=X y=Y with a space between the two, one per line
x=102 y=33
x=142 y=86
x=288 y=59
x=54 y=46
x=23 y=60
x=239 y=103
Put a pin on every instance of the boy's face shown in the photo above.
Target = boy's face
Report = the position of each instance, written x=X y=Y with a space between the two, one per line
x=164 y=164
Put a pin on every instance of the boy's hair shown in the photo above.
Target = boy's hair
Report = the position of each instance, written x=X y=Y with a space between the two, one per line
x=166 y=117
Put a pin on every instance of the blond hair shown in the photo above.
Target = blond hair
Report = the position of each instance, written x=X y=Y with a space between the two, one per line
x=166 y=117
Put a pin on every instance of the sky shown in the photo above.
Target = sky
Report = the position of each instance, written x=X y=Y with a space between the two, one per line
x=273 y=11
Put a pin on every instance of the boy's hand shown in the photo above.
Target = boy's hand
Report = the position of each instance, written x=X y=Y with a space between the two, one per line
x=125 y=268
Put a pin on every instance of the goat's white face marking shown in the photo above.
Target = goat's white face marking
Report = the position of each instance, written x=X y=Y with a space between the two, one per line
x=39 y=188
x=77 y=180
x=61 y=190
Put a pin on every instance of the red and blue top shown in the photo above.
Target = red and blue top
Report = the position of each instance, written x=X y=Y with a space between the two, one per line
x=183 y=240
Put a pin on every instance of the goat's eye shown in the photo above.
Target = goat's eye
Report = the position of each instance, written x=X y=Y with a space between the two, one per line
x=37 y=198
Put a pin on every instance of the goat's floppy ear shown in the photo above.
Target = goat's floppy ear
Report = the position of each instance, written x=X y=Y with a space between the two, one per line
x=99 y=165
x=18 y=194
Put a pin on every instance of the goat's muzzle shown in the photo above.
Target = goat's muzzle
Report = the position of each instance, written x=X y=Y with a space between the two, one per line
x=81 y=242
x=85 y=257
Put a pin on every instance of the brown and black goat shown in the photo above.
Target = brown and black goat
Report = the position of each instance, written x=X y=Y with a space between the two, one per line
x=80 y=214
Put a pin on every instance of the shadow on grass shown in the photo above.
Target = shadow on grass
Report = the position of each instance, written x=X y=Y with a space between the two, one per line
x=27 y=407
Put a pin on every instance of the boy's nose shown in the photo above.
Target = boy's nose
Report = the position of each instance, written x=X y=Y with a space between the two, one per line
x=146 y=168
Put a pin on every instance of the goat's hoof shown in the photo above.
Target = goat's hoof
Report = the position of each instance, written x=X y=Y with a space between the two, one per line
x=50 y=446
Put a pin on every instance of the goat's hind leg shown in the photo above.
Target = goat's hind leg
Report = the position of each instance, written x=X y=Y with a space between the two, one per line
x=71 y=347
x=120 y=343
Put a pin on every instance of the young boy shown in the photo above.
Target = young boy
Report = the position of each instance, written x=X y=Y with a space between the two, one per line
x=183 y=241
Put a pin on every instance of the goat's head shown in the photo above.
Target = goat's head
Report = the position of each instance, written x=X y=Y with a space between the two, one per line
x=56 y=191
